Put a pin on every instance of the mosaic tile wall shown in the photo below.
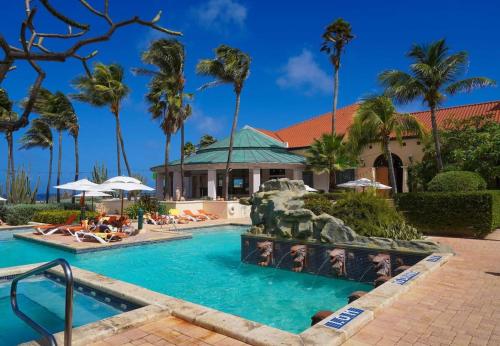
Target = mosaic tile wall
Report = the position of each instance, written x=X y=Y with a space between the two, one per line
x=359 y=264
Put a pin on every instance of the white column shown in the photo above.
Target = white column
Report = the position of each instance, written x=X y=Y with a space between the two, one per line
x=405 y=179
x=176 y=183
x=212 y=183
x=297 y=174
x=254 y=175
x=159 y=185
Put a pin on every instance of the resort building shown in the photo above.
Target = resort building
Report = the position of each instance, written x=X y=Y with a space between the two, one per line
x=263 y=154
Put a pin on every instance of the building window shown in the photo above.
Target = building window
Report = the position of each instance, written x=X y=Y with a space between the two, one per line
x=277 y=173
x=307 y=177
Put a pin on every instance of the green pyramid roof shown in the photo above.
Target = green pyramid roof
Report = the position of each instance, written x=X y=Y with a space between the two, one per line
x=250 y=146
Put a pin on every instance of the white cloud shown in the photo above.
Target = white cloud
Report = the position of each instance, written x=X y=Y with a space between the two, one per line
x=303 y=72
x=216 y=14
x=204 y=123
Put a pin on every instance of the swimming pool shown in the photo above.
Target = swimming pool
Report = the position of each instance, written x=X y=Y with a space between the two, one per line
x=43 y=300
x=205 y=270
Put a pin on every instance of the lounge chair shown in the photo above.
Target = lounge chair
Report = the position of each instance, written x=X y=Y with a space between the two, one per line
x=103 y=238
x=54 y=228
x=175 y=214
x=197 y=217
x=207 y=214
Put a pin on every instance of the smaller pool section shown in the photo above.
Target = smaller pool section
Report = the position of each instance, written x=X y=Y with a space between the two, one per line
x=42 y=299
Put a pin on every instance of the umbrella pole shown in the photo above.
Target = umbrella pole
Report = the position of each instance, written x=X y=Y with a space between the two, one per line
x=82 y=211
x=121 y=211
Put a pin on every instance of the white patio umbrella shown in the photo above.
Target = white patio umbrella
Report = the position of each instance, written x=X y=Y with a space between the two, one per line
x=123 y=183
x=92 y=194
x=364 y=183
x=310 y=189
x=2 y=199
x=83 y=185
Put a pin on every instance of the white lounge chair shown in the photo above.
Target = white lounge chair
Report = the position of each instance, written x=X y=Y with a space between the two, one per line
x=110 y=237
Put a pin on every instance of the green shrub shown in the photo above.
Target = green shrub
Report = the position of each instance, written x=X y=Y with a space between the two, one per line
x=457 y=181
x=318 y=204
x=474 y=213
x=366 y=213
x=21 y=214
x=148 y=204
x=58 y=216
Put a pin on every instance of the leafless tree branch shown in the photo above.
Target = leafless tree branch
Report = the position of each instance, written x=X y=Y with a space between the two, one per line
x=13 y=53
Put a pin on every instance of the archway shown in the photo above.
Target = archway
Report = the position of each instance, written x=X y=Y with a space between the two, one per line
x=382 y=171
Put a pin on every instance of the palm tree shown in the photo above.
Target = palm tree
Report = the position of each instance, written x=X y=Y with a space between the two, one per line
x=56 y=109
x=206 y=140
x=106 y=88
x=230 y=66
x=7 y=114
x=166 y=89
x=74 y=131
x=189 y=149
x=376 y=121
x=39 y=135
x=433 y=74
x=329 y=154
x=336 y=36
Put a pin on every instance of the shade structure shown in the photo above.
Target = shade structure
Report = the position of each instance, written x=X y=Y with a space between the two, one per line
x=2 y=199
x=364 y=183
x=92 y=194
x=124 y=183
x=84 y=185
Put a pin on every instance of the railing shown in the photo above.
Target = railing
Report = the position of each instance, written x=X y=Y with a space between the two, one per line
x=68 y=318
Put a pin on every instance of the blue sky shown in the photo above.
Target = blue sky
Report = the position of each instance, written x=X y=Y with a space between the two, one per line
x=290 y=79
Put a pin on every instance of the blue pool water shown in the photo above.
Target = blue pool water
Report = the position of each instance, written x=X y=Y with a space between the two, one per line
x=43 y=300
x=206 y=270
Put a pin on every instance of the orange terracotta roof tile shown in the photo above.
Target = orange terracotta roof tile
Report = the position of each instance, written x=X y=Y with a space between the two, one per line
x=302 y=134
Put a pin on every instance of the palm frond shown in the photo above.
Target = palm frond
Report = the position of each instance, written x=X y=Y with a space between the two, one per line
x=469 y=84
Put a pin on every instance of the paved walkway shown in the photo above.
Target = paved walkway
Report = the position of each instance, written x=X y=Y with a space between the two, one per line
x=459 y=304
x=168 y=331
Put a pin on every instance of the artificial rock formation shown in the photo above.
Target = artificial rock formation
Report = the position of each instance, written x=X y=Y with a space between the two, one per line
x=278 y=211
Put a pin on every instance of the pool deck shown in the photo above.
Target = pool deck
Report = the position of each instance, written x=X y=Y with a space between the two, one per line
x=148 y=235
x=457 y=305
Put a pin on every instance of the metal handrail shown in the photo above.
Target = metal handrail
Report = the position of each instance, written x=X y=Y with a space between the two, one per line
x=68 y=318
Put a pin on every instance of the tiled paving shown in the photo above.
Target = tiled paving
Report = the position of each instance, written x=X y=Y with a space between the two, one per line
x=459 y=304
x=168 y=331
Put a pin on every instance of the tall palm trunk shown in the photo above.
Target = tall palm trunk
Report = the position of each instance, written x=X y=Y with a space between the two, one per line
x=230 y=149
x=390 y=163
x=182 y=159
x=49 y=179
x=335 y=98
x=77 y=164
x=166 y=189
x=118 y=156
x=332 y=180
x=122 y=144
x=59 y=160
x=10 y=161
x=437 y=143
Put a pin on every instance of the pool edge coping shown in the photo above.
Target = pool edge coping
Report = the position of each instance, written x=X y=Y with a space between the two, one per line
x=236 y=327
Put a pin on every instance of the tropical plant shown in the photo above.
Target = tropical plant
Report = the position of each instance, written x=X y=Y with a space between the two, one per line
x=457 y=181
x=329 y=154
x=166 y=89
x=335 y=38
x=206 y=140
x=230 y=66
x=99 y=173
x=376 y=121
x=471 y=144
x=7 y=114
x=434 y=73
x=39 y=135
x=189 y=149
x=56 y=109
x=21 y=190
x=105 y=87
